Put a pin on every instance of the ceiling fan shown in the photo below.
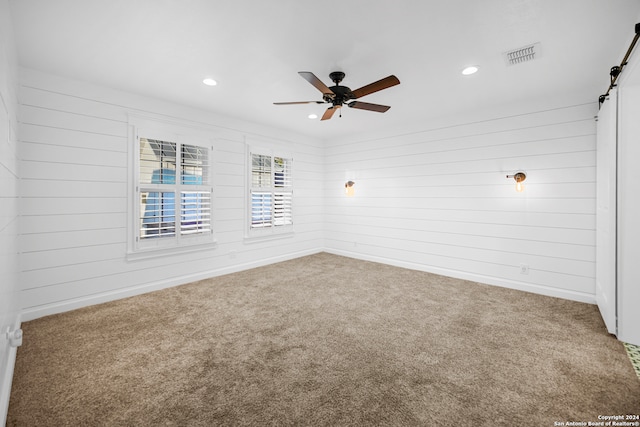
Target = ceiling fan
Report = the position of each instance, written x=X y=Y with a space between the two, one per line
x=338 y=95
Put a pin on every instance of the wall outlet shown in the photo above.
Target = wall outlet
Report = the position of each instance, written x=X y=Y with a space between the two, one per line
x=233 y=253
x=524 y=268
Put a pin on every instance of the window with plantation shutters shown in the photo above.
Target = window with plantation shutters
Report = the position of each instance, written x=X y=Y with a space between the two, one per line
x=270 y=195
x=173 y=193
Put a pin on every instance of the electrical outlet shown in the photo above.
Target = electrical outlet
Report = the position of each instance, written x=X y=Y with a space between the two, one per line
x=233 y=253
x=524 y=268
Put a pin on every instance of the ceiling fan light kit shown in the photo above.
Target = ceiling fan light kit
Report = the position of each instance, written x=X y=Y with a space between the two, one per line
x=339 y=96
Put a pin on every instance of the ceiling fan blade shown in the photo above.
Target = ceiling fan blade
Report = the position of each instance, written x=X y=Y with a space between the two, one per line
x=316 y=82
x=367 y=106
x=299 y=102
x=329 y=113
x=375 y=86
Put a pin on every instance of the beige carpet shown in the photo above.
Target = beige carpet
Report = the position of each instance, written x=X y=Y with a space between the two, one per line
x=323 y=340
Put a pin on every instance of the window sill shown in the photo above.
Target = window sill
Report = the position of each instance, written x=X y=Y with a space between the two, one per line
x=268 y=237
x=152 y=253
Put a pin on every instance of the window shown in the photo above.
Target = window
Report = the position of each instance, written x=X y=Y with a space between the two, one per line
x=271 y=195
x=173 y=193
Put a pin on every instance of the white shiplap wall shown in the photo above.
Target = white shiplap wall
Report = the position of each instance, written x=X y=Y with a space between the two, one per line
x=435 y=197
x=432 y=196
x=74 y=140
x=9 y=205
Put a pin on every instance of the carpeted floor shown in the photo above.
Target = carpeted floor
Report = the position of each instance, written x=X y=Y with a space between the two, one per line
x=323 y=340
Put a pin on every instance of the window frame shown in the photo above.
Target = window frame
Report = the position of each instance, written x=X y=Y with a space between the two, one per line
x=273 y=230
x=179 y=242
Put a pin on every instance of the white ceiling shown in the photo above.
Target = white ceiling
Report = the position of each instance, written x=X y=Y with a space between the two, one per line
x=254 y=49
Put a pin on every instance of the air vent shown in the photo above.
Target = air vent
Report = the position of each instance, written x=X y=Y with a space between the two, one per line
x=523 y=54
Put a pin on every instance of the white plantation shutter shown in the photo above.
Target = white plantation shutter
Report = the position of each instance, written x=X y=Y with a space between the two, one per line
x=282 y=209
x=260 y=209
x=174 y=193
x=261 y=196
x=271 y=194
x=195 y=194
x=283 y=192
x=195 y=212
x=158 y=218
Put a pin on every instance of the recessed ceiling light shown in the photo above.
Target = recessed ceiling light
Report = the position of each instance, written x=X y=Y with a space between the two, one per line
x=209 y=82
x=470 y=70
x=313 y=116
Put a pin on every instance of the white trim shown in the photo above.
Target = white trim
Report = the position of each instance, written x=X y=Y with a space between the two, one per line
x=179 y=133
x=7 y=379
x=272 y=232
x=5 y=387
x=488 y=280
x=72 y=304
x=150 y=253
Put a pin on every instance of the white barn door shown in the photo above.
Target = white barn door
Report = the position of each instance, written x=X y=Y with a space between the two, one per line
x=606 y=185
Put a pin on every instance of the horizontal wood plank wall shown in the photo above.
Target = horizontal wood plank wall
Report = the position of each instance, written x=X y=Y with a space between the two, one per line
x=74 y=196
x=436 y=198
x=9 y=205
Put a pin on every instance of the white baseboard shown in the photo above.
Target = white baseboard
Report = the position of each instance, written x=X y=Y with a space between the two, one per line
x=48 y=309
x=5 y=387
x=488 y=280
x=72 y=304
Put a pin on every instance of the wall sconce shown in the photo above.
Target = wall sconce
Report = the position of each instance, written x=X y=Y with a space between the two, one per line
x=519 y=177
x=348 y=188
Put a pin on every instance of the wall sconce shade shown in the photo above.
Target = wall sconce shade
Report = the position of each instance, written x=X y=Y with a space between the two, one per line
x=348 y=188
x=518 y=177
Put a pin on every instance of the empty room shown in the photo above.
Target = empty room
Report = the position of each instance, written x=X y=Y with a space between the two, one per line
x=337 y=213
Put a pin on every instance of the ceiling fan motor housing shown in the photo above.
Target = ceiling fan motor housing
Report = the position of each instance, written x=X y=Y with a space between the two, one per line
x=341 y=95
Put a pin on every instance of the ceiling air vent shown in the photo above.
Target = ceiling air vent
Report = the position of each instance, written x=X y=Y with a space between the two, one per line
x=522 y=54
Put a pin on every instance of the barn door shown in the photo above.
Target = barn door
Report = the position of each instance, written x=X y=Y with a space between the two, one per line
x=606 y=161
